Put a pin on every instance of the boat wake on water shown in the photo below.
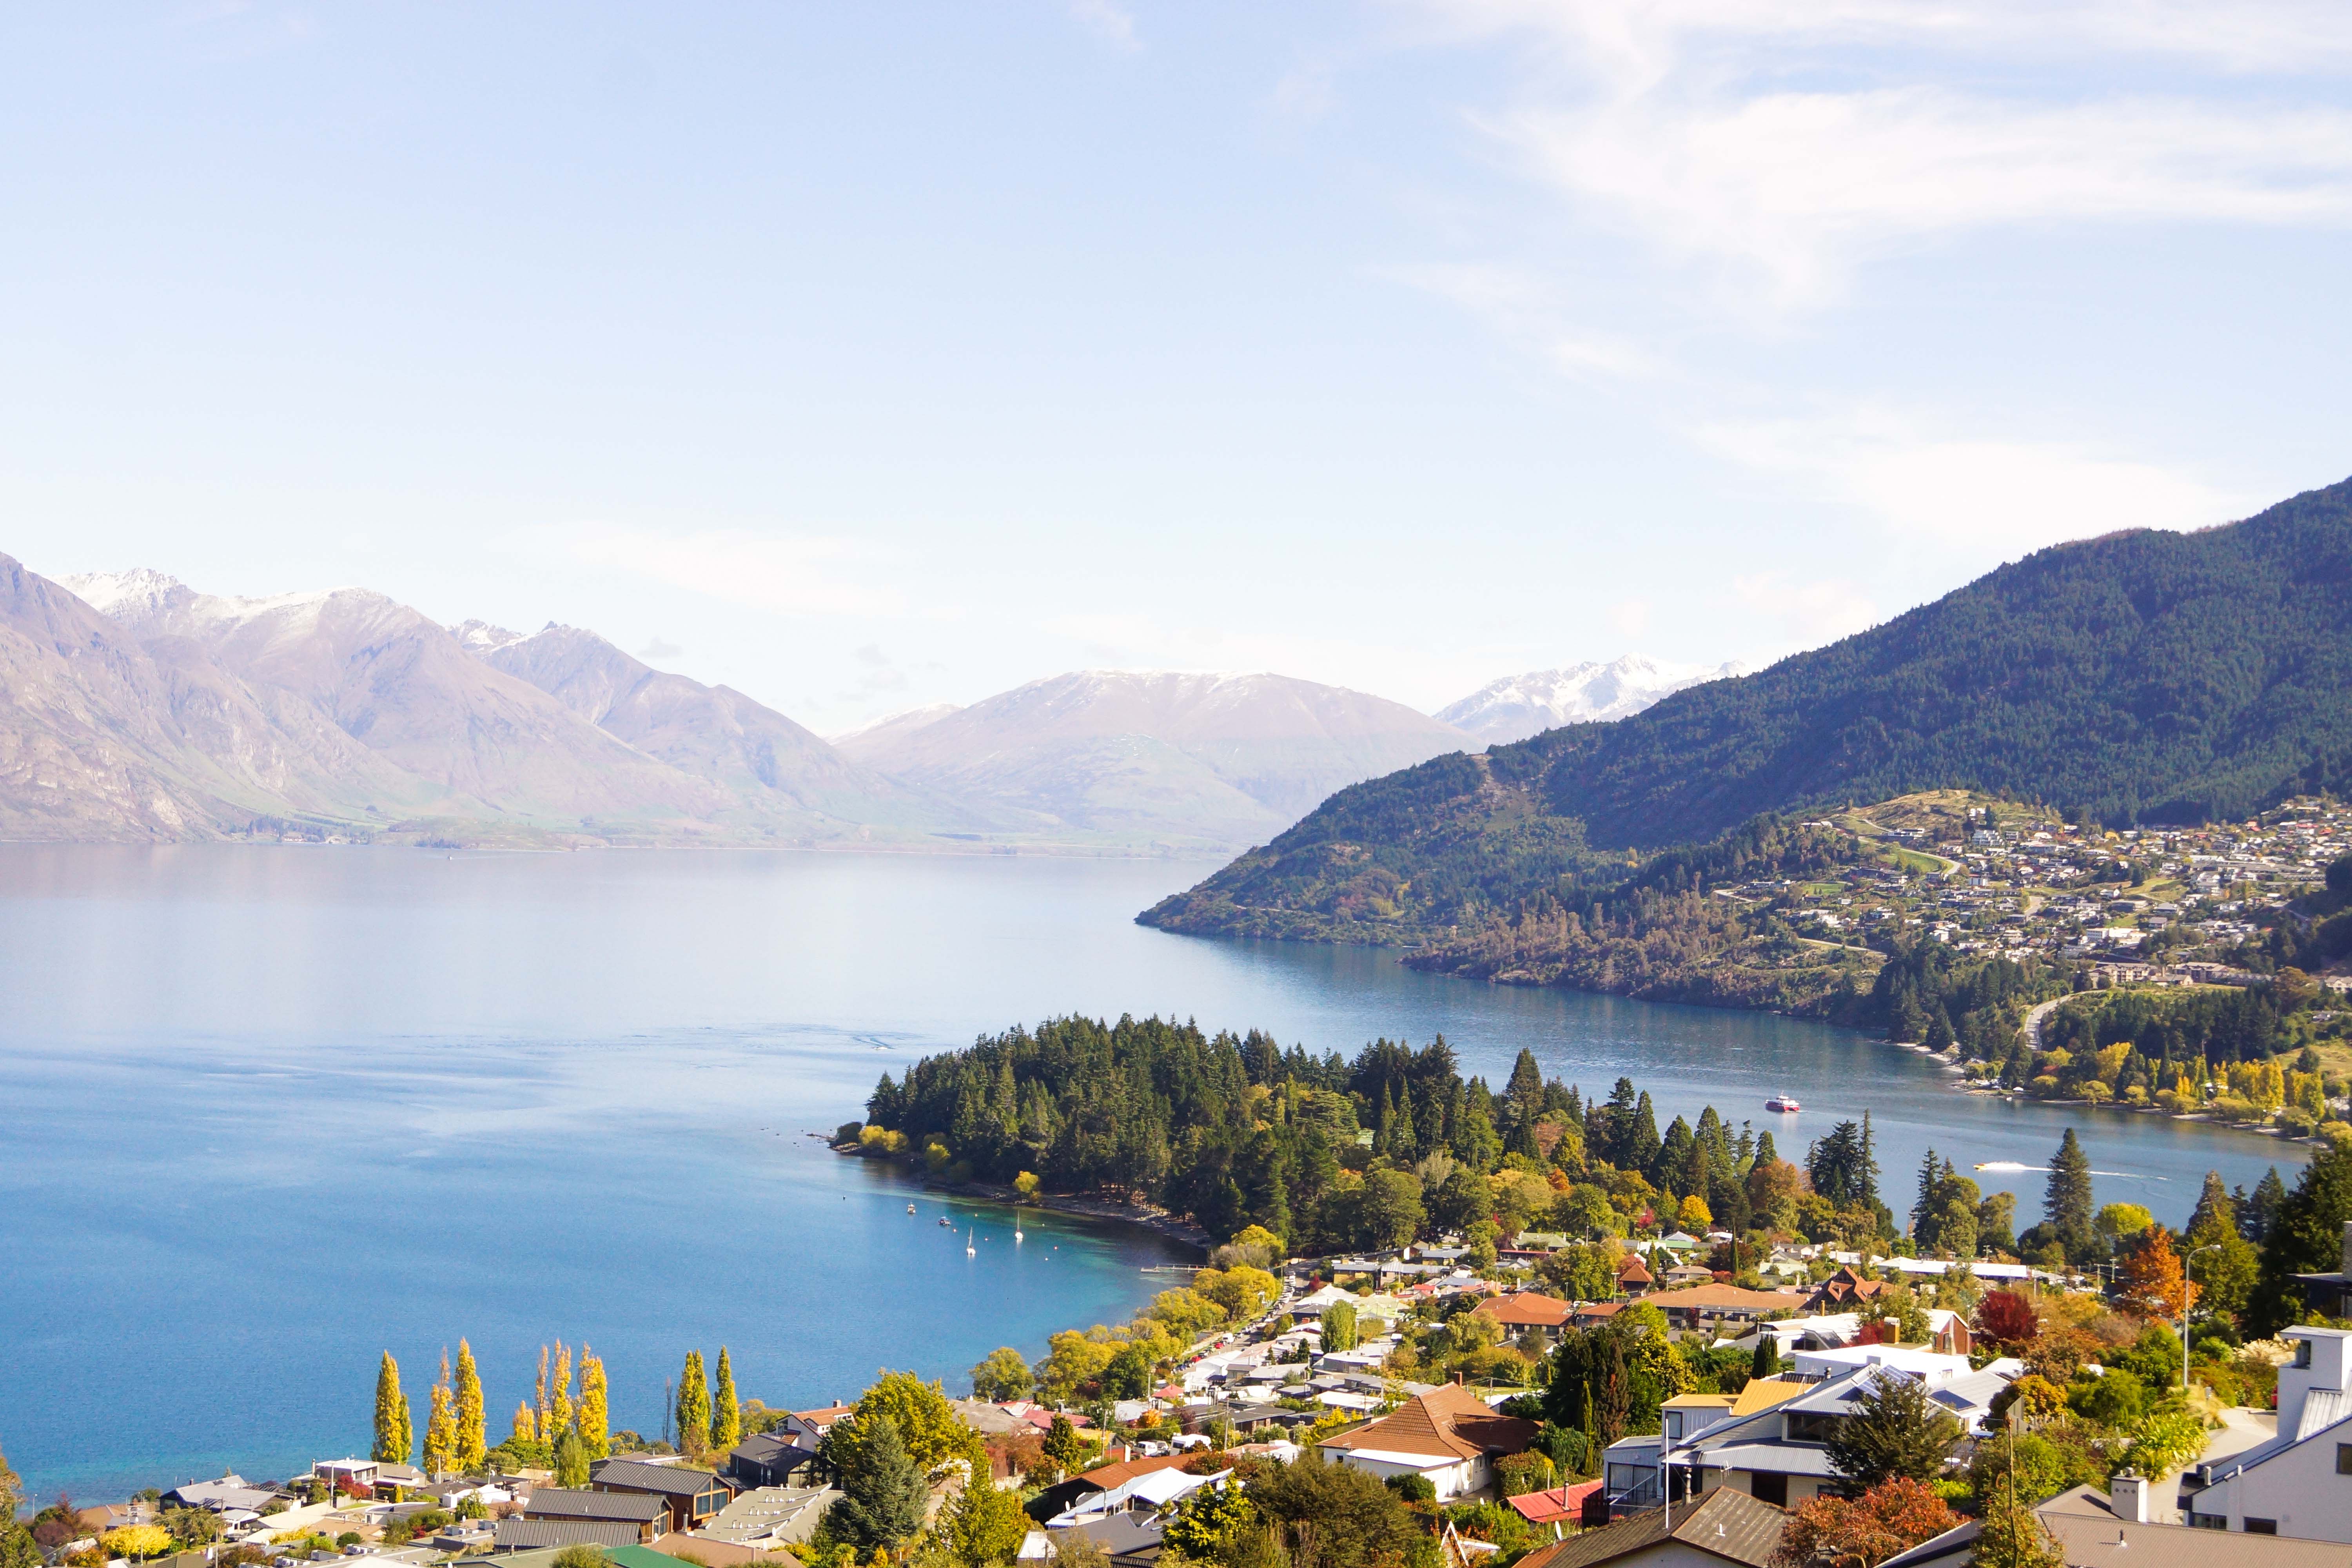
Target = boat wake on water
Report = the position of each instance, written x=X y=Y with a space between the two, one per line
x=2013 y=1167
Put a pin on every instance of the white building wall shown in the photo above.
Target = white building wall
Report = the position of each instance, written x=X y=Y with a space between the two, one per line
x=2299 y=1488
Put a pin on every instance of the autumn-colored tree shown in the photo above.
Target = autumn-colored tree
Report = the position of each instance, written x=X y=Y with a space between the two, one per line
x=526 y=1424
x=1003 y=1376
x=393 y=1439
x=983 y=1525
x=539 y=1397
x=2151 y=1277
x=1694 y=1212
x=1864 y=1532
x=137 y=1541
x=559 y=1393
x=441 y=1427
x=693 y=1407
x=725 y=1412
x=470 y=1446
x=2006 y=1319
x=594 y=1419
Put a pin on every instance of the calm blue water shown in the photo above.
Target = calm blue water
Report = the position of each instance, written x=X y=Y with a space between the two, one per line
x=266 y=1112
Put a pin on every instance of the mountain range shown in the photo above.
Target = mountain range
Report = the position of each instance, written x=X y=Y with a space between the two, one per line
x=1231 y=758
x=2141 y=676
x=135 y=707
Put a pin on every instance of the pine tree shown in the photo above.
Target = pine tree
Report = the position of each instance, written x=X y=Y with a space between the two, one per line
x=1642 y=1144
x=593 y=1420
x=470 y=1444
x=882 y=1493
x=694 y=1408
x=726 y=1415
x=441 y=1428
x=393 y=1441
x=2066 y=1202
x=1927 y=1208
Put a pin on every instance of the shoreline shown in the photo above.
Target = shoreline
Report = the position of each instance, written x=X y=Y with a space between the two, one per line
x=1143 y=1216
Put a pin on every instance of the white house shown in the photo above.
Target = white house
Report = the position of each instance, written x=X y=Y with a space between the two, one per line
x=2300 y=1482
x=1449 y=1434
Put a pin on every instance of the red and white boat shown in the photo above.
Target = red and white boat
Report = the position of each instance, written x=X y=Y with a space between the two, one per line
x=1786 y=1104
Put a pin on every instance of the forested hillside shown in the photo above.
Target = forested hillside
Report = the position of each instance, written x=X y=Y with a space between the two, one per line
x=1330 y=1154
x=2145 y=676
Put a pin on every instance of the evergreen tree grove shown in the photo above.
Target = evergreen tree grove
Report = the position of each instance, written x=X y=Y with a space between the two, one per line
x=726 y=1414
x=393 y=1441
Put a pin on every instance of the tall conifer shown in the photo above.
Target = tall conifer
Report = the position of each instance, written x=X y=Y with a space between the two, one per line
x=2066 y=1202
x=393 y=1441
x=470 y=1444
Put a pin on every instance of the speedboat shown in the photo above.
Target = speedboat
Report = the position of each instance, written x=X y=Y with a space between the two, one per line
x=1786 y=1104
x=945 y=1224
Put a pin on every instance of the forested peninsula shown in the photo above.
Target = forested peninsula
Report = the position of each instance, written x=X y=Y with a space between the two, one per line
x=1331 y=1156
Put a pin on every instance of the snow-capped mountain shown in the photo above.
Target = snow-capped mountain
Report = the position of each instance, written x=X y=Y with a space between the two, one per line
x=1519 y=706
x=1162 y=755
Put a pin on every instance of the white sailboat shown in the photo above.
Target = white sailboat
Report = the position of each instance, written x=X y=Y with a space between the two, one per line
x=967 y=1243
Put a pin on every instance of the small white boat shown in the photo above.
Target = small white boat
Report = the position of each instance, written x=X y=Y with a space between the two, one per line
x=1785 y=1104
x=910 y=1208
x=1016 y=1234
x=968 y=1250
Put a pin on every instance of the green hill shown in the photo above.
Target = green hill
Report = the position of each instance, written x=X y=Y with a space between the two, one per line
x=2140 y=677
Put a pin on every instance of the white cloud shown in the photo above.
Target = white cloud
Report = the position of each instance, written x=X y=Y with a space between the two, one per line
x=1807 y=614
x=1976 y=497
x=1802 y=187
x=1788 y=143
x=812 y=576
x=1109 y=21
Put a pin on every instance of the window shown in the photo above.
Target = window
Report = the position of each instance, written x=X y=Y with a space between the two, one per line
x=2264 y=1526
x=2343 y=1458
x=2303 y=1352
x=2208 y=1521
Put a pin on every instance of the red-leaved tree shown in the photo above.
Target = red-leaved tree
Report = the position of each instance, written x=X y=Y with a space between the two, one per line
x=2006 y=1319
x=1862 y=1533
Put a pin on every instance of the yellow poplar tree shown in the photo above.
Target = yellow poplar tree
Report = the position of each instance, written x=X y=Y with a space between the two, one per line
x=538 y=1398
x=441 y=1427
x=393 y=1441
x=526 y=1424
x=470 y=1446
x=559 y=1393
x=725 y=1412
x=594 y=1416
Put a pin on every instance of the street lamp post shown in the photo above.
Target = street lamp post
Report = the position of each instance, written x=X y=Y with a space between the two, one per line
x=2188 y=1288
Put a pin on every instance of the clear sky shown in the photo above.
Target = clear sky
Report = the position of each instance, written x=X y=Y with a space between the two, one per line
x=864 y=355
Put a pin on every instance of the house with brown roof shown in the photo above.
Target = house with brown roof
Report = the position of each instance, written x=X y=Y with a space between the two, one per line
x=1842 y=1291
x=1592 y=1312
x=1633 y=1275
x=1686 y=1309
x=1064 y=1495
x=1517 y=1314
x=1449 y=1434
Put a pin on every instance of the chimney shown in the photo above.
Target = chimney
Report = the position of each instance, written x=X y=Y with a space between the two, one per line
x=2128 y=1494
x=1457 y=1376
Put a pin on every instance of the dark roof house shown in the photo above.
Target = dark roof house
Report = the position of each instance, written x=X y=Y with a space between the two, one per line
x=1729 y=1526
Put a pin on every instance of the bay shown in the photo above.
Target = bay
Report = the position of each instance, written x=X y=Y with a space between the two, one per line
x=266 y=1112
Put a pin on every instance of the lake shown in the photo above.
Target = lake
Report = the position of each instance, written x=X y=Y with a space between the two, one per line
x=266 y=1112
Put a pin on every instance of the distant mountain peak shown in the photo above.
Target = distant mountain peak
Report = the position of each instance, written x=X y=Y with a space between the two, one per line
x=1519 y=706
x=480 y=637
